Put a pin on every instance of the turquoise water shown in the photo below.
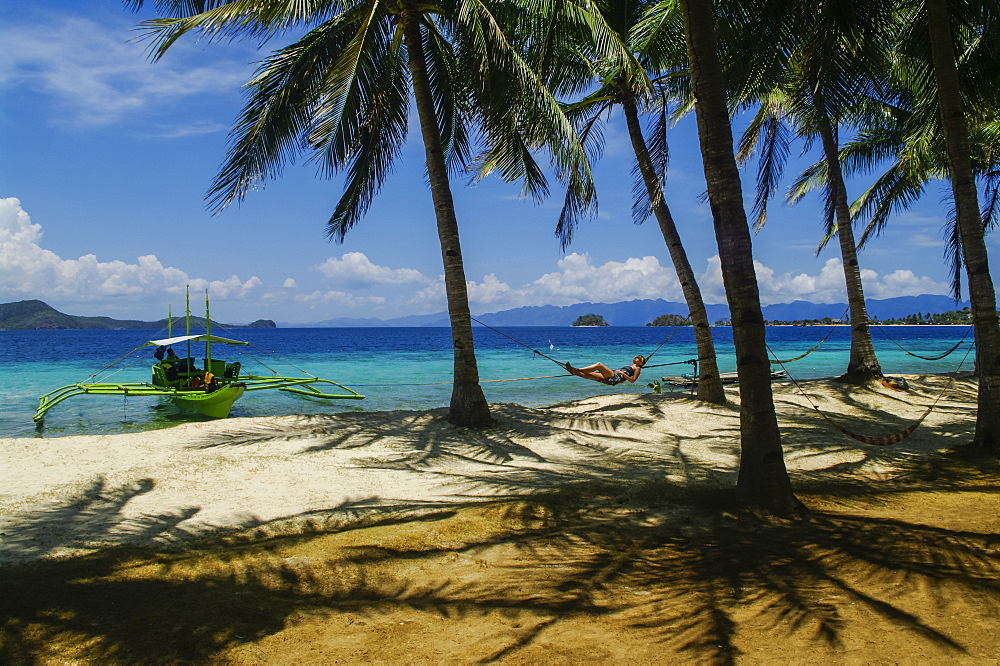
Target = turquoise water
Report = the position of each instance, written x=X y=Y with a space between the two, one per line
x=403 y=368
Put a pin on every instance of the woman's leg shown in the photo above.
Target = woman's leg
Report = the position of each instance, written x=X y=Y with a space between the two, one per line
x=598 y=372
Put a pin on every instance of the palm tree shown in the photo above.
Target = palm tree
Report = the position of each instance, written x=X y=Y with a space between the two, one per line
x=940 y=122
x=937 y=18
x=763 y=480
x=654 y=39
x=834 y=61
x=342 y=93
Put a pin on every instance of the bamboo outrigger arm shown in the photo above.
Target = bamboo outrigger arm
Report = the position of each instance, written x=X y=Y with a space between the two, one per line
x=302 y=386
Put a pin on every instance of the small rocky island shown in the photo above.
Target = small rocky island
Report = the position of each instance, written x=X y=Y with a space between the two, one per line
x=590 y=320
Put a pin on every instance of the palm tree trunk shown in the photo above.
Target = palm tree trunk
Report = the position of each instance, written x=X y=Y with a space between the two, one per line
x=970 y=226
x=863 y=365
x=468 y=404
x=710 y=386
x=763 y=482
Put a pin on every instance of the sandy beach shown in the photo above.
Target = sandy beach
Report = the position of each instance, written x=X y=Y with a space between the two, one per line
x=596 y=530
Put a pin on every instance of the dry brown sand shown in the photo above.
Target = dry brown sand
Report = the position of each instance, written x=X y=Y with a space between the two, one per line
x=600 y=530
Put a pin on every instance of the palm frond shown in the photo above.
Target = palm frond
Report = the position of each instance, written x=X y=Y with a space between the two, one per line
x=450 y=102
x=953 y=253
x=591 y=132
x=277 y=115
x=893 y=192
x=256 y=19
x=658 y=151
x=991 y=199
x=366 y=124
x=811 y=179
x=513 y=131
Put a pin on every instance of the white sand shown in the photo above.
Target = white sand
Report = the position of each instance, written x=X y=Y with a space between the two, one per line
x=70 y=495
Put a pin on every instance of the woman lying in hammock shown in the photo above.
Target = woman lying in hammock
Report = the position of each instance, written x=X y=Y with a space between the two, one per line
x=602 y=373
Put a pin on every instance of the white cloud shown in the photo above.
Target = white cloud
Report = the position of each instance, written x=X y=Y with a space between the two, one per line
x=579 y=280
x=576 y=280
x=317 y=299
x=29 y=271
x=100 y=73
x=356 y=271
x=827 y=286
x=363 y=288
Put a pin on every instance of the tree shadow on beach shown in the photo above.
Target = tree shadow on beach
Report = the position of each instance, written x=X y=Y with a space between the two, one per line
x=657 y=569
x=569 y=537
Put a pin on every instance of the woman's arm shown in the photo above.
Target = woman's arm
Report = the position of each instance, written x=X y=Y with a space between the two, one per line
x=637 y=369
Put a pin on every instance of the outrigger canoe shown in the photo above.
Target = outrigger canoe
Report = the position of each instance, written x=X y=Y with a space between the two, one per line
x=208 y=388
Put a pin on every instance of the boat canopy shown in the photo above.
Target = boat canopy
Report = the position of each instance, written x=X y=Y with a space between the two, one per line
x=193 y=338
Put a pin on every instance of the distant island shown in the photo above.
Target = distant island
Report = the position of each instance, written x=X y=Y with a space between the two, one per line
x=37 y=315
x=671 y=320
x=949 y=318
x=590 y=320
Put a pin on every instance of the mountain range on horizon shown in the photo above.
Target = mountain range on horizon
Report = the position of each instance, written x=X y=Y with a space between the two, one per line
x=641 y=312
x=37 y=315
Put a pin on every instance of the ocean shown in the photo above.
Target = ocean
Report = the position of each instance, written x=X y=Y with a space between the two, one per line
x=408 y=368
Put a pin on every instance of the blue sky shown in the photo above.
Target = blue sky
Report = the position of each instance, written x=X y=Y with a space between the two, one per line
x=105 y=159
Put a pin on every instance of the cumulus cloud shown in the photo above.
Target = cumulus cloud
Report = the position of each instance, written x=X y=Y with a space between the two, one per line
x=827 y=286
x=29 y=271
x=344 y=299
x=100 y=74
x=577 y=279
x=356 y=271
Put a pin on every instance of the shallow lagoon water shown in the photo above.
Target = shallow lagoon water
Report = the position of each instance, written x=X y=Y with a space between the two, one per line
x=407 y=368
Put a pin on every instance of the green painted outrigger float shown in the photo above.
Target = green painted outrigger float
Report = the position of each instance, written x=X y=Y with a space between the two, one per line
x=209 y=390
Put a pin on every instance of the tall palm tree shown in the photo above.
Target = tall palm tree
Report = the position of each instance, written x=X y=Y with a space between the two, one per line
x=763 y=480
x=835 y=60
x=654 y=42
x=341 y=92
x=940 y=123
x=938 y=20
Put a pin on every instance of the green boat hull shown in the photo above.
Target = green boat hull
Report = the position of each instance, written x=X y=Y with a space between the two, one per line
x=214 y=405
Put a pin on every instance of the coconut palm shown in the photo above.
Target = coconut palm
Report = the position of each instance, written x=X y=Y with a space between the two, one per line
x=763 y=480
x=655 y=37
x=941 y=123
x=341 y=93
x=938 y=20
x=835 y=60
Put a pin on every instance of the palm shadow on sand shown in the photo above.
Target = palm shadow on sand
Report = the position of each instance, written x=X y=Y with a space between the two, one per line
x=594 y=532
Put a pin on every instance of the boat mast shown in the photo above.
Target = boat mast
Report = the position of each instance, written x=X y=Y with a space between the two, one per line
x=208 y=336
x=187 y=317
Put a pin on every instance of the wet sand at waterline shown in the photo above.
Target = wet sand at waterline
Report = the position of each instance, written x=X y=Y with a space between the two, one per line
x=595 y=530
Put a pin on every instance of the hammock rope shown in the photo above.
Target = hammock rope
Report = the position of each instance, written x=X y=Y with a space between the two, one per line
x=886 y=440
x=801 y=356
x=818 y=344
x=559 y=363
x=563 y=365
x=925 y=358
